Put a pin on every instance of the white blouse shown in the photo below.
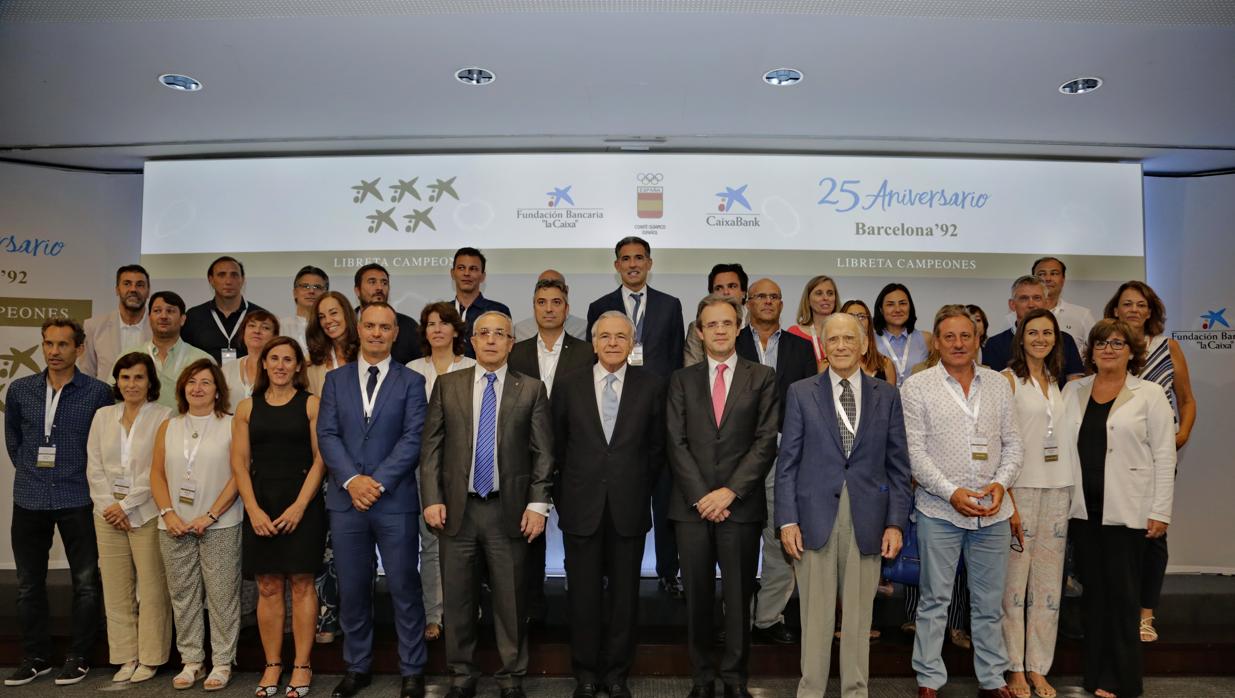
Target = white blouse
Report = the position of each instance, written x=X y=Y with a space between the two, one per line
x=237 y=388
x=212 y=466
x=425 y=367
x=118 y=462
x=1036 y=415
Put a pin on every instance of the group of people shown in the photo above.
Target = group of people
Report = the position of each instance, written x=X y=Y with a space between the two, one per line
x=303 y=452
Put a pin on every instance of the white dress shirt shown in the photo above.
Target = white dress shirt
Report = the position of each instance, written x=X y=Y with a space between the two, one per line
x=598 y=379
x=855 y=386
x=478 y=394
x=731 y=362
x=575 y=326
x=383 y=369
x=104 y=464
x=547 y=358
x=629 y=300
x=939 y=434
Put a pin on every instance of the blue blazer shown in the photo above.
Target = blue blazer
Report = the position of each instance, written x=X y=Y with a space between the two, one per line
x=812 y=467
x=386 y=449
x=664 y=335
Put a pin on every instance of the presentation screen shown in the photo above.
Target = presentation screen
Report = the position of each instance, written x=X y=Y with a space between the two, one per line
x=953 y=231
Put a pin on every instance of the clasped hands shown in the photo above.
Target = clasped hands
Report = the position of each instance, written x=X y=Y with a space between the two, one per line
x=364 y=491
x=965 y=500
x=714 y=506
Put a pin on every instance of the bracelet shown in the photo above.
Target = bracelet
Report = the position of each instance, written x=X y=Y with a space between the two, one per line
x=212 y=516
x=165 y=511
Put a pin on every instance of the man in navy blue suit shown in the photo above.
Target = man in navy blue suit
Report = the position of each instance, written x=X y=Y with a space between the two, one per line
x=467 y=272
x=659 y=340
x=372 y=413
x=842 y=500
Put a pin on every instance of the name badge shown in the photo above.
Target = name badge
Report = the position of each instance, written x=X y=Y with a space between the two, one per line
x=120 y=487
x=636 y=356
x=1050 y=449
x=228 y=354
x=188 y=492
x=46 y=457
x=979 y=447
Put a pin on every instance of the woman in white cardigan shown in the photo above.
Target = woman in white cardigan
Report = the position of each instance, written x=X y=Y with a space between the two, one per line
x=1124 y=431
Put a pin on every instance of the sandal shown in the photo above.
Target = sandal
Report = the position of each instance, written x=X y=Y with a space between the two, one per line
x=433 y=631
x=270 y=690
x=1042 y=689
x=299 y=691
x=1148 y=633
x=189 y=675
x=218 y=679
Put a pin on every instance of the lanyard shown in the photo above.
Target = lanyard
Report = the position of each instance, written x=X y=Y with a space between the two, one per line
x=49 y=410
x=904 y=358
x=1050 y=406
x=814 y=342
x=959 y=399
x=214 y=313
x=191 y=456
x=126 y=440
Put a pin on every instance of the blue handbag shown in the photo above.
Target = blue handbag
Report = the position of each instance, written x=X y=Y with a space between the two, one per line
x=907 y=567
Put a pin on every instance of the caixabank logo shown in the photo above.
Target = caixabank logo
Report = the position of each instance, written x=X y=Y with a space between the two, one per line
x=1215 y=333
x=370 y=191
x=733 y=210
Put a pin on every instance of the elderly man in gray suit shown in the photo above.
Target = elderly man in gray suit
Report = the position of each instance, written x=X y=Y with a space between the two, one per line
x=486 y=464
x=842 y=500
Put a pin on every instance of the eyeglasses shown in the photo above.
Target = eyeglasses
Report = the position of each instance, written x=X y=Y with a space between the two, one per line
x=861 y=316
x=1115 y=344
x=487 y=333
x=311 y=287
x=763 y=297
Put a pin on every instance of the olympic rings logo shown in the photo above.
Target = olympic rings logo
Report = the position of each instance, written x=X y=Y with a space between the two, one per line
x=649 y=178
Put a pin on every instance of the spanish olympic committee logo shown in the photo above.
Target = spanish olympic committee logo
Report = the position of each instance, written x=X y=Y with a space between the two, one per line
x=649 y=195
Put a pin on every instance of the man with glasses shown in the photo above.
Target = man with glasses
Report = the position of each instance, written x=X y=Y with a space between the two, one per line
x=1075 y=320
x=309 y=284
x=763 y=341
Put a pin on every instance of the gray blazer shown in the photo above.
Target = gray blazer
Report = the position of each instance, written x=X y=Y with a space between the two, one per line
x=524 y=447
x=103 y=345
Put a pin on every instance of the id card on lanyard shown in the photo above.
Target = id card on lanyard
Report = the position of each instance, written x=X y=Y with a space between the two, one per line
x=228 y=353
x=979 y=445
x=903 y=359
x=188 y=487
x=1050 y=445
x=47 y=452
x=122 y=483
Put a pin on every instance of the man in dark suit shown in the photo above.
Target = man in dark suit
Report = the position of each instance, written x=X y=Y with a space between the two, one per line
x=721 y=420
x=658 y=347
x=373 y=286
x=1029 y=293
x=842 y=500
x=550 y=353
x=609 y=431
x=467 y=273
x=793 y=359
x=368 y=430
x=488 y=460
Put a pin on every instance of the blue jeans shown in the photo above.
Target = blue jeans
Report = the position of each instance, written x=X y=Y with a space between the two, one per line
x=986 y=558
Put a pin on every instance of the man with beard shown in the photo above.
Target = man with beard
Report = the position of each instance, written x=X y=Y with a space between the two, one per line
x=373 y=286
x=110 y=336
x=171 y=354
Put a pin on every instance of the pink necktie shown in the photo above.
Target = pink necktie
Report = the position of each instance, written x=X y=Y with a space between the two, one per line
x=718 y=393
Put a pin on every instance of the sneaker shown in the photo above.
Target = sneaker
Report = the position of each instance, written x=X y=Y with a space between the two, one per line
x=29 y=670
x=74 y=670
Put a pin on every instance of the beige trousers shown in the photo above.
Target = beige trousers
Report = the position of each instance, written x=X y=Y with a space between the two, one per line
x=836 y=567
x=139 y=613
x=1035 y=579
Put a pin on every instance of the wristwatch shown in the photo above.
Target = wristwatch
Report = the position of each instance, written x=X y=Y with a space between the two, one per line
x=165 y=511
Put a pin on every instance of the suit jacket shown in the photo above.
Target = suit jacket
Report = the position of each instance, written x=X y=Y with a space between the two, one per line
x=479 y=307
x=795 y=361
x=812 y=467
x=662 y=328
x=997 y=353
x=524 y=446
x=738 y=454
x=386 y=448
x=103 y=344
x=576 y=354
x=621 y=472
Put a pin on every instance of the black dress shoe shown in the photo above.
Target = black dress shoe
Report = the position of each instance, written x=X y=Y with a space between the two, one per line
x=777 y=634
x=352 y=683
x=585 y=690
x=672 y=587
x=461 y=691
x=413 y=686
x=736 y=691
x=513 y=692
x=619 y=690
x=701 y=690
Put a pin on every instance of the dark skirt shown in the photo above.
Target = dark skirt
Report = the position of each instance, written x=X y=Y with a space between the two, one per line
x=298 y=552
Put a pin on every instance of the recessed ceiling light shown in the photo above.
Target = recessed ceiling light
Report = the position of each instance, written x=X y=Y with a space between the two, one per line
x=782 y=77
x=1080 y=86
x=175 y=81
x=475 y=76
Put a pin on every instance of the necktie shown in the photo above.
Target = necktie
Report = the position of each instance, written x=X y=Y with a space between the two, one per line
x=718 y=393
x=486 y=439
x=637 y=319
x=608 y=406
x=370 y=388
x=851 y=411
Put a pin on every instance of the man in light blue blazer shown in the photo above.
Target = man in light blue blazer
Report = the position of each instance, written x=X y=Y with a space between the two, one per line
x=368 y=430
x=842 y=500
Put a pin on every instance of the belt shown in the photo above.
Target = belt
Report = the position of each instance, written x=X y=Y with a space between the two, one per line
x=492 y=495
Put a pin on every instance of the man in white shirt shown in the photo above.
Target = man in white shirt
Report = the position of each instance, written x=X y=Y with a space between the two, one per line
x=310 y=284
x=110 y=336
x=965 y=452
x=575 y=326
x=1074 y=319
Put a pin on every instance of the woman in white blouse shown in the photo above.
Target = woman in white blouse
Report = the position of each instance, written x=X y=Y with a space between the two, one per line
x=1124 y=475
x=441 y=349
x=118 y=450
x=1042 y=494
x=260 y=327
x=200 y=516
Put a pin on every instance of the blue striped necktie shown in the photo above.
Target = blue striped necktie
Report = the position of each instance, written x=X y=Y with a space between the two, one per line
x=486 y=439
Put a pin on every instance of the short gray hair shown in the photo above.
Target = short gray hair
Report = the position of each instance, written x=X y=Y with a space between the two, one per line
x=552 y=283
x=1026 y=280
x=509 y=323
x=717 y=299
x=615 y=314
x=840 y=317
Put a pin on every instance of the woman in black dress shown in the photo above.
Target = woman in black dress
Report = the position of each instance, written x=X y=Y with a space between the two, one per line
x=279 y=471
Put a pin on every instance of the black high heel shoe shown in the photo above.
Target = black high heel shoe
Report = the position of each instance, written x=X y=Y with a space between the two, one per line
x=271 y=690
x=299 y=691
